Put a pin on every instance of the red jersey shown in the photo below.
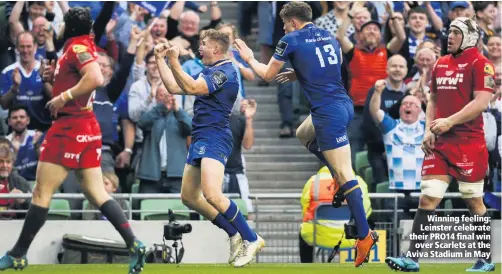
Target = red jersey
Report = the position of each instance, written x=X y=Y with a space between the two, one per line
x=78 y=52
x=454 y=80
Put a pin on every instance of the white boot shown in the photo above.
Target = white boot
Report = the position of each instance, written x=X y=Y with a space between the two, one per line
x=248 y=251
x=235 y=247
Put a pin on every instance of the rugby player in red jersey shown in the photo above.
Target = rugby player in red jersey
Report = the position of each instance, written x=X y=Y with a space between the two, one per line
x=73 y=142
x=462 y=86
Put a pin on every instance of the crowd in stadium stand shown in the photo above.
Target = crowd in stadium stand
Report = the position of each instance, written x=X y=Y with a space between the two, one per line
x=146 y=130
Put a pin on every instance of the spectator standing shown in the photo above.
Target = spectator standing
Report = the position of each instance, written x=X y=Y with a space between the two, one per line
x=166 y=127
x=404 y=157
x=22 y=84
x=392 y=93
x=11 y=182
x=24 y=142
x=241 y=124
x=367 y=62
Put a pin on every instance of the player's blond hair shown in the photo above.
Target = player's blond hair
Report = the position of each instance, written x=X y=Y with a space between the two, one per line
x=219 y=37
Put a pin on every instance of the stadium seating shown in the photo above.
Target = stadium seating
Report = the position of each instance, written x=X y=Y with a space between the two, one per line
x=135 y=188
x=361 y=162
x=368 y=176
x=59 y=204
x=165 y=204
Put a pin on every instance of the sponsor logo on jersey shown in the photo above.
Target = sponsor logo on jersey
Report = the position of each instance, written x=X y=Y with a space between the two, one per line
x=467 y=172
x=281 y=48
x=489 y=69
x=88 y=138
x=449 y=82
x=341 y=139
x=202 y=150
x=442 y=66
x=72 y=156
x=430 y=157
x=449 y=72
x=79 y=48
x=219 y=78
x=462 y=65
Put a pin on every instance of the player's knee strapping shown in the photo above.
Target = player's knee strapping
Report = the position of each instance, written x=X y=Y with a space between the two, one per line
x=434 y=188
x=471 y=190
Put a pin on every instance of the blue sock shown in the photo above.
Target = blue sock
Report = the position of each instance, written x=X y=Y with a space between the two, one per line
x=354 y=197
x=224 y=224
x=313 y=147
x=235 y=217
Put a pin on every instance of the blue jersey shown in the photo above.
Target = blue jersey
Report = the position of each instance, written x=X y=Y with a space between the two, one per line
x=316 y=57
x=212 y=111
x=31 y=93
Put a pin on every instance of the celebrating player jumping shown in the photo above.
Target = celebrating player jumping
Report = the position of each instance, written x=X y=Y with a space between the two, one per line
x=217 y=87
x=73 y=142
x=462 y=86
x=316 y=58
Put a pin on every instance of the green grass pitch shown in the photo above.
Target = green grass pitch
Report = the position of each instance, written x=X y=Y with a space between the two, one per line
x=250 y=269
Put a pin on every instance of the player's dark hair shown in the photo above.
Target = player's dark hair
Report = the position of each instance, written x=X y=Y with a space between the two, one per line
x=299 y=10
x=25 y=33
x=417 y=9
x=219 y=37
x=17 y=107
x=78 y=21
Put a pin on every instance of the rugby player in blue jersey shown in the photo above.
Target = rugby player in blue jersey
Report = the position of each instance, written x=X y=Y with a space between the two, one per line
x=316 y=57
x=216 y=88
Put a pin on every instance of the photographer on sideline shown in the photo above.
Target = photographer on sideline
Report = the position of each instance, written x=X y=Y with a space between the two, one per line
x=327 y=235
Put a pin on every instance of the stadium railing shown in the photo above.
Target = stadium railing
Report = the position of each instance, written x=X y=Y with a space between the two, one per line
x=287 y=251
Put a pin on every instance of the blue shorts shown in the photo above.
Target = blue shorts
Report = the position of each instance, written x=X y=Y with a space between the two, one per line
x=331 y=122
x=217 y=148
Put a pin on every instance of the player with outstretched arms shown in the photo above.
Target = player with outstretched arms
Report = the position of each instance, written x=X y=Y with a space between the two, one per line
x=316 y=57
x=216 y=89
x=73 y=142
x=461 y=89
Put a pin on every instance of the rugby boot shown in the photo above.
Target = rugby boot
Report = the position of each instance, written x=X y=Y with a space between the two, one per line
x=402 y=264
x=481 y=266
x=9 y=262
x=137 y=261
x=235 y=247
x=363 y=247
x=249 y=251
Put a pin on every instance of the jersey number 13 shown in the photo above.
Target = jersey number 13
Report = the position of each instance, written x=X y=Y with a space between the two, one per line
x=332 y=58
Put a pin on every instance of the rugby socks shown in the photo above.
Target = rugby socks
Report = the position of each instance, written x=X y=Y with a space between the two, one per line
x=224 y=224
x=354 y=196
x=235 y=217
x=421 y=219
x=114 y=213
x=483 y=236
x=35 y=219
x=313 y=147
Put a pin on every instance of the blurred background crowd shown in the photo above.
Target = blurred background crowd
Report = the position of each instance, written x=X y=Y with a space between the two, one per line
x=146 y=130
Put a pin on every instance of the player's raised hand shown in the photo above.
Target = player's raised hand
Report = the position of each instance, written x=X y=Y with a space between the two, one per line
x=16 y=77
x=245 y=52
x=160 y=50
x=428 y=142
x=380 y=85
x=173 y=52
x=250 y=109
x=288 y=76
x=441 y=126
